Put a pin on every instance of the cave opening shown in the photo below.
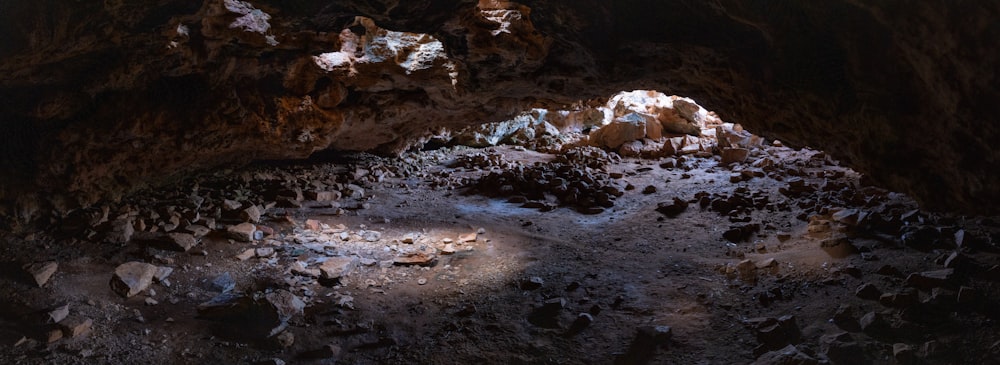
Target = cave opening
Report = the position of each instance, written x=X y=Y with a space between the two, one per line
x=454 y=182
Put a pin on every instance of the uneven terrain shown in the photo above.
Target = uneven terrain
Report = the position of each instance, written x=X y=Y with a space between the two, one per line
x=462 y=255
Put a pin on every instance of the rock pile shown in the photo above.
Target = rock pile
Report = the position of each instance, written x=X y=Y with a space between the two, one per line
x=588 y=189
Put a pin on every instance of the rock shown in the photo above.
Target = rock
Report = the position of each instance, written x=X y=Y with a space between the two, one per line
x=371 y=236
x=582 y=321
x=356 y=191
x=747 y=270
x=875 y=325
x=766 y=263
x=849 y=217
x=223 y=283
x=490 y=134
x=619 y=131
x=901 y=300
x=672 y=209
x=197 y=231
x=841 y=348
x=967 y=295
x=286 y=305
x=226 y=306
x=903 y=353
x=262 y=315
x=448 y=249
x=844 y=318
x=532 y=283
x=175 y=241
x=41 y=272
x=54 y=335
x=644 y=345
x=162 y=272
x=264 y=252
x=131 y=278
x=468 y=237
x=285 y=339
x=868 y=291
x=734 y=155
x=180 y=241
x=120 y=232
x=243 y=232
x=931 y=279
x=547 y=315
x=246 y=254
x=231 y=205
x=151 y=301
x=788 y=355
x=673 y=122
x=336 y=267
x=74 y=326
x=838 y=246
x=58 y=314
x=415 y=258
x=323 y=196
x=741 y=233
x=313 y=225
x=299 y=268
x=251 y=214
x=775 y=333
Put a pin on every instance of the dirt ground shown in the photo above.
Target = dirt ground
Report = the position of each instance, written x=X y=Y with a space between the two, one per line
x=759 y=266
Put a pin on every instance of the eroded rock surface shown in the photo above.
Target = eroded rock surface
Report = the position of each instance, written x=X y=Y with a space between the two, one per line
x=102 y=98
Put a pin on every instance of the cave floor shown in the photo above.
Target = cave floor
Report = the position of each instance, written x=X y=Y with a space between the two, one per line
x=436 y=273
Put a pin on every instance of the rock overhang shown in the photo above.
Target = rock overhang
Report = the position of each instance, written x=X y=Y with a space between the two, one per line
x=124 y=96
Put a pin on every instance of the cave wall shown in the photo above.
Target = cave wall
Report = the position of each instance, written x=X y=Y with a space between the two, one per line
x=100 y=98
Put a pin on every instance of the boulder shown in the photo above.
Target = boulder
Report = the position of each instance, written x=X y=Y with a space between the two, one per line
x=619 y=131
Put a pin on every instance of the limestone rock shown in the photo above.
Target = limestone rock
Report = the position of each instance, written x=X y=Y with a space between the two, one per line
x=131 y=278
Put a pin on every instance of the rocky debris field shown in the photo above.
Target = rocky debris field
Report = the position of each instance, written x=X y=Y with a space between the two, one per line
x=668 y=248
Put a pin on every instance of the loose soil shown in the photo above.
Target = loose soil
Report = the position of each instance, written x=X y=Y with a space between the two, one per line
x=627 y=268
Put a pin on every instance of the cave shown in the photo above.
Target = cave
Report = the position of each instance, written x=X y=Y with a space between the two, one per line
x=499 y=182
